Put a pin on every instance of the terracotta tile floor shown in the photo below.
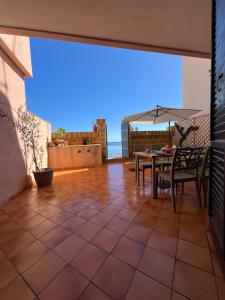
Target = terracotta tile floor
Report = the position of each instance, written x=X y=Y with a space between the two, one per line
x=93 y=235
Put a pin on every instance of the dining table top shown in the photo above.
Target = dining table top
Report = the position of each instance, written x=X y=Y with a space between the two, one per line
x=153 y=154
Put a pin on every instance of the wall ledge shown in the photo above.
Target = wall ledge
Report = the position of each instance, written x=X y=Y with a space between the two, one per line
x=14 y=59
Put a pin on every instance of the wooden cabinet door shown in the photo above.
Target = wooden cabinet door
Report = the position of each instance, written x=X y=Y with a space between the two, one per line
x=217 y=155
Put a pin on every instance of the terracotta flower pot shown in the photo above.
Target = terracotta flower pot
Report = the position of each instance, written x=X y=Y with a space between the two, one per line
x=58 y=142
x=43 y=177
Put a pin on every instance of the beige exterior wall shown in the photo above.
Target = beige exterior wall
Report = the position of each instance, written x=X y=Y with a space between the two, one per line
x=15 y=63
x=196 y=84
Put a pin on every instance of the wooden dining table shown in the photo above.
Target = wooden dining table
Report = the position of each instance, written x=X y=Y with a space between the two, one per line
x=152 y=158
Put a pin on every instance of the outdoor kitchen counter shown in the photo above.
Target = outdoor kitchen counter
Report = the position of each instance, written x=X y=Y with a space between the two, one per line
x=74 y=156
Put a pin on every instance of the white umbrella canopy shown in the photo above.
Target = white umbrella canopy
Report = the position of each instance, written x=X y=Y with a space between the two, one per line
x=161 y=114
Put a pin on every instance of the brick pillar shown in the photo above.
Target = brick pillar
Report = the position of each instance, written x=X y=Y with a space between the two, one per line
x=102 y=136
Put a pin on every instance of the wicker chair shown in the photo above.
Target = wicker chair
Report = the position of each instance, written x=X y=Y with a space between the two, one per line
x=185 y=164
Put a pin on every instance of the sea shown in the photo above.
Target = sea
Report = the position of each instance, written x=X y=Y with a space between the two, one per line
x=114 y=149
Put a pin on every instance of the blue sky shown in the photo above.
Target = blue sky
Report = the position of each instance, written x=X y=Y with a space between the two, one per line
x=74 y=84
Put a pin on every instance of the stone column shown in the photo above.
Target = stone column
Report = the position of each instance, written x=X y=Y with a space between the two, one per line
x=102 y=136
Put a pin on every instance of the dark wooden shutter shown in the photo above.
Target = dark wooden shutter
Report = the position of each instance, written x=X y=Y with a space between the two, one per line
x=125 y=140
x=217 y=155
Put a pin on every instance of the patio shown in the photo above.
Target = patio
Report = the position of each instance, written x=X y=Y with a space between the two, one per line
x=94 y=235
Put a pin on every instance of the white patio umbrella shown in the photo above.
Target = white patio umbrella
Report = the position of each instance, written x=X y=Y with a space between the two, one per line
x=161 y=114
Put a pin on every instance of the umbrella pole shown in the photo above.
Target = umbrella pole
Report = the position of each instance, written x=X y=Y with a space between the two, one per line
x=169 y=133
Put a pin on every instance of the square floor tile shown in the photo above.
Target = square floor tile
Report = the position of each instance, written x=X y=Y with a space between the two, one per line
x=194 y=283
x=33 y=221
x=73 y=223
x=195 y=255
x=75 y=209
x=102 y=219
x=129 y=251
x=151 y=209
x=220 y=282
x=88 y=213
x=17 y=244
x=99 y=204
x=176 y=296
x=194 y=233
x=127 y=214
x=7 y=273
x=43 y=271
x=111 y=209
x=167 y=227
x=70 y=247
x=86 y=201
x=163 y=242
x=106 y=239
x=93 y=293
x=138 y=233
x=145 y=288
x=61 y=217
x=9 y=236
x=157 y=265
x=144 y=219
x=88 y=231
x=17 y=289
x=28 y=256
x=67 y=285
x=55 y=237
x=89 y=260
x=2 y=256
x=118 y=225
x=43 y=228
x=114 y=278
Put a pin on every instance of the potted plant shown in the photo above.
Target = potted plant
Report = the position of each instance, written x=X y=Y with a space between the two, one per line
x=60 y=133
x=29 y=127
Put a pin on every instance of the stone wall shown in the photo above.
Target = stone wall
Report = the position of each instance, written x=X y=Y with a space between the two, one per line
x=201 y=137
x=142 y=140
x=99 y=137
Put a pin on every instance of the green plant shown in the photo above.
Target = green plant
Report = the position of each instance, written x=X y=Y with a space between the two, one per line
x=184 y=134
x=60 y=132
x=27 y=125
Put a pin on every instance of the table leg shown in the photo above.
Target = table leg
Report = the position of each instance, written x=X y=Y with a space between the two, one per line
x=154 y=182
x=137 y=174
x=136 y=169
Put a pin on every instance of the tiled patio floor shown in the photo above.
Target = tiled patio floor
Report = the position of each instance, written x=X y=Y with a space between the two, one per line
x=94 y=235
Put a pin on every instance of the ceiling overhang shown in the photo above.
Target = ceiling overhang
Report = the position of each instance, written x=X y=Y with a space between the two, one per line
x=170 y=26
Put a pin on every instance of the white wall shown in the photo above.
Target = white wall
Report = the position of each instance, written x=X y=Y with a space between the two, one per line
x=196 y=84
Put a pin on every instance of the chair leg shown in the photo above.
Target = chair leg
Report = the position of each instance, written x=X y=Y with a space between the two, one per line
x=198 y=192
x=173 y=198
x=143 y=176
